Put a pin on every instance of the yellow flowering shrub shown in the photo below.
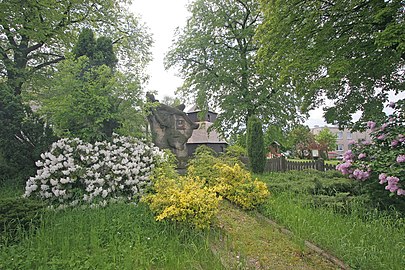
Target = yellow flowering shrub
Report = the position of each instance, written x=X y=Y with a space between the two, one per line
x=236 y=184
x=185 y=199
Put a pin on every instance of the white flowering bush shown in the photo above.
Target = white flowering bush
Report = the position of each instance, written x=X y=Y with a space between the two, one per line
x=75 y=172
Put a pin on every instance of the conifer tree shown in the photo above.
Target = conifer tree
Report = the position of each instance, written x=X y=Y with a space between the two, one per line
x=255 y=144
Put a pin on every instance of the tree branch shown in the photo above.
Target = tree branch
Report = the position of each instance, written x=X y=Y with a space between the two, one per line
x=54 y=61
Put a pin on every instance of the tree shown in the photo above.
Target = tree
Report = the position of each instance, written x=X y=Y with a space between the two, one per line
x=216 y=55
x=351 y=52
x=301 y=138
x=326 y=139
x=255 y=145
x=274 y=133
x=171 y=101
x=91 y=102
x=23 y=137
x=35 y=35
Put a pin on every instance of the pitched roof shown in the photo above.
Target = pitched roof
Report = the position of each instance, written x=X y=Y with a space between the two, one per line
x=195 y=109
x=201 y=135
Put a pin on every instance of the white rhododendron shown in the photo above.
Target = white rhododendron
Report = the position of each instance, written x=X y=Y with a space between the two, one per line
x=74 y=171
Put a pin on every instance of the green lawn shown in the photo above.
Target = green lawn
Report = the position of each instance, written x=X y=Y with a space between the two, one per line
x=330 y=211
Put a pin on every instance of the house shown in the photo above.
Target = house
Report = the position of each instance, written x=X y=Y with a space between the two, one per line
x=201 y=135
x=344 y=140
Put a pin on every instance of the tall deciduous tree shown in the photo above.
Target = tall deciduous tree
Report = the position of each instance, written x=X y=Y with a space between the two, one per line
x=216 y=55
x=351 y=51
x=34 y=35
x=255 y=144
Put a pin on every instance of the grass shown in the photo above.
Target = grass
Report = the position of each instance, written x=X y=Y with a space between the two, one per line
x=116 y=237
x=362 y=238
x=253 y=243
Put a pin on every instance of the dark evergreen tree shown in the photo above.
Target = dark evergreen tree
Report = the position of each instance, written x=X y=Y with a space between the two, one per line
x=85 y=45
x=255 y=144
x=104 y=54
x=23 y=137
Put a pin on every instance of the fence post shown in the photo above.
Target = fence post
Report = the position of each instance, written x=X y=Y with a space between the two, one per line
x=283 y=163
x=320 y=165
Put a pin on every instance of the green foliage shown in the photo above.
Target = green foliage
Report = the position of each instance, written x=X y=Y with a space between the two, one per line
x=236 y=184
x=92 y=102
x=235 y=151
x=204 y=157
x=23 y=136
x=216 y=54
x=99 y=52
x=310 y=46
x=16 y=215
x=185 y=199
x=40 y=32
x=300 y=139
x=274 y=133
x=326 y=139
x=165 y=167
x=85 y=44
x=255 y=145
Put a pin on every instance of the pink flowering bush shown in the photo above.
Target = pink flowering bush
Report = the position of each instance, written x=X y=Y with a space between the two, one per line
x=383 y=158
x=74 y=172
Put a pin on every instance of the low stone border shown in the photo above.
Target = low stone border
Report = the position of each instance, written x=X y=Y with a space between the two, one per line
x=308 y=244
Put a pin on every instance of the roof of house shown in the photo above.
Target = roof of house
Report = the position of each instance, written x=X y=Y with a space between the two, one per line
x=201 y=135
x=195 y=109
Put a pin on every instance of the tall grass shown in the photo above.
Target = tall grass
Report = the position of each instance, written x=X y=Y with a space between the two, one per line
x=369 y=240
x=116 y=237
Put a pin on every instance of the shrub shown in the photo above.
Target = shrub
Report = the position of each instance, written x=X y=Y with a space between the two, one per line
x=18 y=213
x=255 y=145
x=186 y=199
x=383 y=159
x=202 y=165
x=237 y=185
x=74 y=171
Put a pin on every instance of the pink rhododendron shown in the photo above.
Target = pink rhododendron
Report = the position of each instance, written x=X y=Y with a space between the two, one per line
x=381 y=137
x=394 y=143
x=371 y=125
x=362 y=155
x=400 y=158
x=383 y=178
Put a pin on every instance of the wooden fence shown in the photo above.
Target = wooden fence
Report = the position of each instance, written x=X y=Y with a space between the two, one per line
x=281 y=164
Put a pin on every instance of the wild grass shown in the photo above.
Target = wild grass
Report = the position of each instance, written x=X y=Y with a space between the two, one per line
x=362 y=238
x=116 y=237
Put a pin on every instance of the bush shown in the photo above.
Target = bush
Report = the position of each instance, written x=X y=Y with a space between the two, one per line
x=16 y=214
x=74 y=172
x=186 y=199
x=237 y=185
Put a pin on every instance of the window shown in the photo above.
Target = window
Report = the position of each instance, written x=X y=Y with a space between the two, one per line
x=349 y=135
x=340 y=135
x=339 y=147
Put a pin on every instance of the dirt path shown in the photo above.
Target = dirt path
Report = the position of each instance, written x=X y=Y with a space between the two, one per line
x=253 y=243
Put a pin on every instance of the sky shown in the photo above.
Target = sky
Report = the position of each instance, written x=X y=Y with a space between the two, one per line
x=162 y=17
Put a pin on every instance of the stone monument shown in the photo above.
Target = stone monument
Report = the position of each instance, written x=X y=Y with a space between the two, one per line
x=170 y=127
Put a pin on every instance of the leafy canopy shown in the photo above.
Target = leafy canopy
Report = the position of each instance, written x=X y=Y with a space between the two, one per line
x=216 y=55
x=350 y=51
